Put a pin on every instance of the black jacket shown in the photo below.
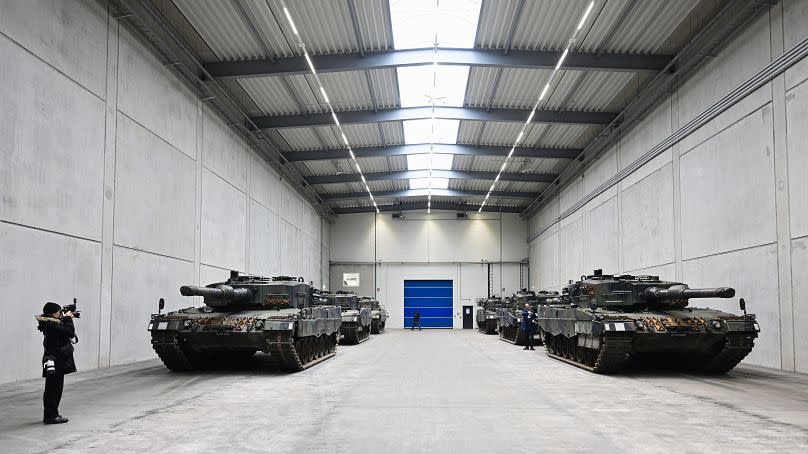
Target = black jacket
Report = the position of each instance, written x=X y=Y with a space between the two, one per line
x=58 y=336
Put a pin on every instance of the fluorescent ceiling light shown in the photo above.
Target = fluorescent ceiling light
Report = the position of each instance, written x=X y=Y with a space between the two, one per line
x=420 y=131
x=291 y=22
x=423 y=183
x=416 y=22
x=586 y=14
x=421 y=161
x=419 y=85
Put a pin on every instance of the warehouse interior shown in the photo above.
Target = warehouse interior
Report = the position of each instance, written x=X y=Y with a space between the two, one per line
x=431 y=156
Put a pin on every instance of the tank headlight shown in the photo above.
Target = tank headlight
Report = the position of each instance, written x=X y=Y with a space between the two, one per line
x=715 y=324
x=640 y=324
x=355 y=318
x=186 y=324
x=259 y=324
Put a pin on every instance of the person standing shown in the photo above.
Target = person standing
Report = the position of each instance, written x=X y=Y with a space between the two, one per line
x=528 y=325
x=416 y=321
x=57 y=327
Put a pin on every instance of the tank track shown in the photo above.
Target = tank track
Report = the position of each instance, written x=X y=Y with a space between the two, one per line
x=172 y=356
x=609 y=358
x=736 y=347
x=353 y=336
x=512 y=334
x=295 y=354
x=376 y=327
x=487 y=327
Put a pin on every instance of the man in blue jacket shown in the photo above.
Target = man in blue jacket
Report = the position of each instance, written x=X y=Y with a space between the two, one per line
x=528 y=324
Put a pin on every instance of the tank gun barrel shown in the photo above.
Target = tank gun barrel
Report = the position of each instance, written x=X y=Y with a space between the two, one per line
x=677 y=292
x=223 y=292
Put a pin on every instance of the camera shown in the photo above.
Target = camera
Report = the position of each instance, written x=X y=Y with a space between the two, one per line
x=72 y=308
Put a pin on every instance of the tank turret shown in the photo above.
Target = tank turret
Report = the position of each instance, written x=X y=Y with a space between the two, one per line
x=356 y=320
x=637 y=292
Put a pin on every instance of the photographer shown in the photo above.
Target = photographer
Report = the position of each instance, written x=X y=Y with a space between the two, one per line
x=57 y=327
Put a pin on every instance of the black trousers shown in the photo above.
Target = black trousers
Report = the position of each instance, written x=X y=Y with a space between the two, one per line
x=54 y=385
x=529 y=338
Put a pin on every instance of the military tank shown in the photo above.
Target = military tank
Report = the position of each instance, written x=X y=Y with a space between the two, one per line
x=509 y=317
x=602 y=321
x=245 y=315
x=356 y=320
x=486 y=315
x=377 y=312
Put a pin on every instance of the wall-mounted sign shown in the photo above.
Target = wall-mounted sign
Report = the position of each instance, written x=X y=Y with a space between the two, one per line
x=350 y=279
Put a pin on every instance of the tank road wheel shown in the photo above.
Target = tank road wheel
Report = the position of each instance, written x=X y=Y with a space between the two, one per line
x=572 y=345
x=323 y=345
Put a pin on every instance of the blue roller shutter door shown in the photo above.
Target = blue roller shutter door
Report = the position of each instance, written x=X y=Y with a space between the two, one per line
x=433 y=299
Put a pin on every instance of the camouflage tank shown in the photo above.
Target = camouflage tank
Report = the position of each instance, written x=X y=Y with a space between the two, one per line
x=602 y=321
x=509 y=317
x=356 y=319
x=487 y=314
x=377 y=312
x=242 y=316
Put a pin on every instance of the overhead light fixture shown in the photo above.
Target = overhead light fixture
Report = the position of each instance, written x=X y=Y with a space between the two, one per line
x=325 y=96
x=561 y=60
x=291 y=22
x=586 y=14
x=308 y=60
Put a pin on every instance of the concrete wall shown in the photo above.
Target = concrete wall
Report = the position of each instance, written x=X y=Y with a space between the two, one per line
x=119 y=185
x=726 y=206
x=421 y=246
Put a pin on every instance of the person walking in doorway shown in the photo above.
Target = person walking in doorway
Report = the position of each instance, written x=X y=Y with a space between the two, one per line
x=57 y=327
x=416 y=321
x=528 y=325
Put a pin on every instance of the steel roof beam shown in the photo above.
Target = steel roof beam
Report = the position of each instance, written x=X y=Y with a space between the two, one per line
x=451 y=174
x=404 y=150
x=422 y=206
x=532 y=59
x=423 y=192
x=420 y=113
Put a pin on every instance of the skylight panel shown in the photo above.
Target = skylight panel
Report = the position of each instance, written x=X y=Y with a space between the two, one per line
x=421 y=131
x=417 y=22
x=419 y=85
x=423 y=183
x=421 y=161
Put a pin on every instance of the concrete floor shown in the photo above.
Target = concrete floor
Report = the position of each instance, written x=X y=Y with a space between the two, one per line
x=429 y=391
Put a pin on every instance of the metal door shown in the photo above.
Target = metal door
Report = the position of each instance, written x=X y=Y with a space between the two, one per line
x=468 y=317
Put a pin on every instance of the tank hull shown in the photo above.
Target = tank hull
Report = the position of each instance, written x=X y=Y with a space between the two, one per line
x=200 y=338
x=356 y=326
x=486 y=321
x=604 y=341
x=378 y=321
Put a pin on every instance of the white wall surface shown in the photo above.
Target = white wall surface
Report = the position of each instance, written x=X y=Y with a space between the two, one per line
x=118 y=185
x=725 y=207
x=421 y=246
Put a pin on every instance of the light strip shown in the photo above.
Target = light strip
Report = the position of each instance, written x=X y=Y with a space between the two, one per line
x=302 y=45
x=541 y=97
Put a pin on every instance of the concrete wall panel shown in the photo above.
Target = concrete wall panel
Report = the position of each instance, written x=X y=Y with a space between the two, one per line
x=352 y=238
x=51 y=147
x=601 y=238
x=549 y=277
x=727 y=189
x=291 y=251
x=401 y=240
x=154 y=201
x=452 y=240
x=72 y=40
x=799 y=264
x=140 y=280
x=150 y=94
x=264 y=251
x=795 y=29
x=656 y=127
x=224 y=218
x=758 y=285
x=265 y=185
x=37 y=267
x=797 y=136
x=223 y=152
x=647 y=215
x=571 y=250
